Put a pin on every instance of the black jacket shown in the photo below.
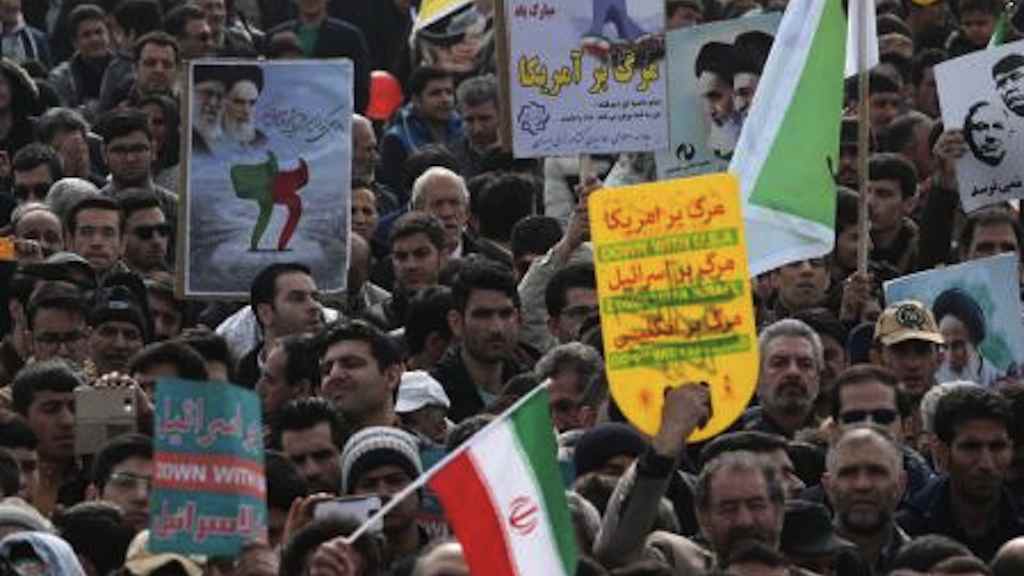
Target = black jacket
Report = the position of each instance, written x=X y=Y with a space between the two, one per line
x=463 y=393
x=339 y=39
x=931 y=512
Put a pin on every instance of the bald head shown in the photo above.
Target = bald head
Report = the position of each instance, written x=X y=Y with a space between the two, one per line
x=872 y=438
x=1009 y=561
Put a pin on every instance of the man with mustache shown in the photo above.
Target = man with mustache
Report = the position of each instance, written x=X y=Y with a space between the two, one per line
x=789 y=379
x=865 y=481
x=986 y=130
x=738 y=499
x=910 y=341
x=971 y=504
x=1008 y=74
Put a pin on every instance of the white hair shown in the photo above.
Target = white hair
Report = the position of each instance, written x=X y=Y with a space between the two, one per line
x=433 y=174
x=930 y=400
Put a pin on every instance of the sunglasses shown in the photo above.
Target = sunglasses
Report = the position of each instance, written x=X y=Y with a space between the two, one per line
x=36 y=191
x=146 y=232
x=881 y=416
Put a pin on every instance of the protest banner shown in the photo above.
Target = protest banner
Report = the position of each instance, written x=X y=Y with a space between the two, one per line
x=209 y=486
x=978 y=309
x=586 y=77
x=267 y=173
x=713 y=68
x=674 y=294
x=983 y=94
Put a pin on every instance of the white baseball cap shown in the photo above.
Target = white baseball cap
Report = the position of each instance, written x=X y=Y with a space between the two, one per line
x=419 y=389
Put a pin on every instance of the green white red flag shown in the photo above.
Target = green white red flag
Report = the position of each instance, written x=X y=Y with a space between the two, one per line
x=503 y=496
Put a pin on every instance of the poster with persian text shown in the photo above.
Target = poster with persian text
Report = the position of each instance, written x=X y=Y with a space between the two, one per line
x=209 y=485
x=674 y=295
x=268 y=173
x=714 y=70
x=587 y=77
x=982 y=94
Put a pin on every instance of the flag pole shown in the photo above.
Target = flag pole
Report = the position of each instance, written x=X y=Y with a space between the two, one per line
x=863 y=134
x=426 y=476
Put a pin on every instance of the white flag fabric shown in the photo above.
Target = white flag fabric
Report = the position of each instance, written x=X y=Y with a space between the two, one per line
x=860 y=12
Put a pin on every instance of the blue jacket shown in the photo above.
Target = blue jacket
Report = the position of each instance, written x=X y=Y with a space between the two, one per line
x=406 y=134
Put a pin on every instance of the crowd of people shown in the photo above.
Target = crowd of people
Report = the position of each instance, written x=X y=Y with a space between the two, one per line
x=880 y=439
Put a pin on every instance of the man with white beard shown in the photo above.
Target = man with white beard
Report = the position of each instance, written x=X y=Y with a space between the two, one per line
x=243 y=90
x=208 y=101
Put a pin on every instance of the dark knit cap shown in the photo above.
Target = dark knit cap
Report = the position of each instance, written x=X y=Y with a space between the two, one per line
x=606 y=441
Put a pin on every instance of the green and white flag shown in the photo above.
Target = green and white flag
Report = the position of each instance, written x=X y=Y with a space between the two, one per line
x=789 y=147
x=861 y=14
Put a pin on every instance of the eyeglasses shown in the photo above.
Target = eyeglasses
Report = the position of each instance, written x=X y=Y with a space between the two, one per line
x=146 y=232
x=881 y=416
x=35 y=191
x=55 y=339
x=129 y=481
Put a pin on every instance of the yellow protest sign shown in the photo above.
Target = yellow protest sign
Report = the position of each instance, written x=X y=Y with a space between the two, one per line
x=675 y=298
x=433 y=10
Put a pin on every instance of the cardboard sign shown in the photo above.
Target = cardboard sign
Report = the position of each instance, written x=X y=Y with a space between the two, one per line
x=983 y=94
x=209 y=486
x=586 y=76
x=675 y=297
x=713 y=74
x=267 y=173
x=976 y=299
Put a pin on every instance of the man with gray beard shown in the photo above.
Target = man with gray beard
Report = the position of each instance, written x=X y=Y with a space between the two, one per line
x=789 y=379
x=865 y=481
x=208 y=103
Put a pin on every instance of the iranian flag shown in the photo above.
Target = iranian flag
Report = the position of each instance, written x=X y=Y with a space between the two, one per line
x=789 y=146
x=502 y=493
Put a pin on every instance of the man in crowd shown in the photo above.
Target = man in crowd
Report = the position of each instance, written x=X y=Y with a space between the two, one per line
x=381 y=461
x=910 y=341
x=323 y=37
x=36 y=167
x=480 y=110
x=360 y=369
x=571 y=368
x=865 y=481
x=94 y=231
x=187 y=23
x=146 y=232
x=289 y=373
x=122 y=473
x=128 y=150
x=429 y=118
x=788 y=380
x=284 y=298
x=485 y=320
x=309 y=432
x=970 y=504
x=67 y=132
x=78 y=79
